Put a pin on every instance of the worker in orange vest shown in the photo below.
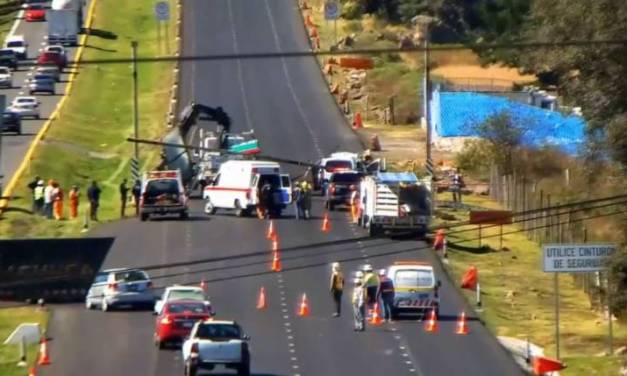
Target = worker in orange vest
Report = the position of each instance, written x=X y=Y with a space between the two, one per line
x=74 y=196
x=57 y=194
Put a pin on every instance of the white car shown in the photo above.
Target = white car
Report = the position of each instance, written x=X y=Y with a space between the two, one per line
x=216 y=343
x=18 y=44
x=56 y=48
x=25 y=107
x=6 y=77
x=178 y=292
x=120 y=287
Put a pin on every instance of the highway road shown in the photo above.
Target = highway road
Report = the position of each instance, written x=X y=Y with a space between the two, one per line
x=287 y=103
x=14 y=146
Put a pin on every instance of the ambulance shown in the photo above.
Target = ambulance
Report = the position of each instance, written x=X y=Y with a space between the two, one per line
x=163 y=193
x=238 y=183
x=416 y=289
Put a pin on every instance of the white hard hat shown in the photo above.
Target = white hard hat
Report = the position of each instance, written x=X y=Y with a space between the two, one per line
x=382 y=271
x=335 y=265
x=367 y=268
x=359 y=274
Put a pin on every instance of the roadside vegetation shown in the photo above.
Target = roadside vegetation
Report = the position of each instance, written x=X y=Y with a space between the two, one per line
x=10 y=318
x=88 y=140
x=8 y=12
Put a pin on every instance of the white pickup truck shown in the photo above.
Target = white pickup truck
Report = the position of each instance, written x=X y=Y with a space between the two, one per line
x=212 y=343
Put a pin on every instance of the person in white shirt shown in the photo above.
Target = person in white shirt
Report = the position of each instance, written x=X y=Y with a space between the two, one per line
x=48 y=199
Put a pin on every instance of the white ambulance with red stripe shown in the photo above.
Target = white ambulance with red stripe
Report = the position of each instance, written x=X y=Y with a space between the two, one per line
x=238 y=186
x=416 y=289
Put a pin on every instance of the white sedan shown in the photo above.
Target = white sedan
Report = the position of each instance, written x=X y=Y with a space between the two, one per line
x=178 y=292
x=25 y=107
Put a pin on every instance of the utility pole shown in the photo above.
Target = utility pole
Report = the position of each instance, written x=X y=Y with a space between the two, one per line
x=135 y=162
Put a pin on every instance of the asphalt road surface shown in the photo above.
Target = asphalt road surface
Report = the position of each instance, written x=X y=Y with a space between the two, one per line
x=14 y=146
x=287 y=104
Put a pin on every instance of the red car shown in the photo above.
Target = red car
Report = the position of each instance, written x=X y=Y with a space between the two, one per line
x=176 y=320
x=34 y=13
x=52 y=58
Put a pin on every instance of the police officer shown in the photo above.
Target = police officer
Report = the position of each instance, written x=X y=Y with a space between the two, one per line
x=359 y=303
x=337 y=287
x=371 y=284
x=386 y=289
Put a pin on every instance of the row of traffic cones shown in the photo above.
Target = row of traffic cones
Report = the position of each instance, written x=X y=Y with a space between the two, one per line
x=431 y=325
x=303 y=305
x=44 y=356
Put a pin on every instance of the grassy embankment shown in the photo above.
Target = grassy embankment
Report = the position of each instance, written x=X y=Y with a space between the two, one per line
x=10 y=318
x=518 y=298
x=87 y=141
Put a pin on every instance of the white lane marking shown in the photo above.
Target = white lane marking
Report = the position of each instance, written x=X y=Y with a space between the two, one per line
x=240 y=75
x=288 y=80
x=18 y=19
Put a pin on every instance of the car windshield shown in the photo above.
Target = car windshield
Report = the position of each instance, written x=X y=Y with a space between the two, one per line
x=161 y=186
x=186 y=307
x=331 y=166
x=55 y=49
x=186 y=294
x=6 y=53
x=15 y=43
x=131 y=276
x=345 y=178
x=35 y=7
x=25 y=101
x=5 y=71
x=218 y=331
x=42 y=77
x=414 y=278
x=101 y=277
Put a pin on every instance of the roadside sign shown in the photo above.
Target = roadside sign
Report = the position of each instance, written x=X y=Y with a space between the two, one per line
x=162 y=11
x=490 y=217
x=576 y=258
x=332 y=10
x=357 y=62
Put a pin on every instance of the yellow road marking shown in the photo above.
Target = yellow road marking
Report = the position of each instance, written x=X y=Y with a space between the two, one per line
x=8 y=191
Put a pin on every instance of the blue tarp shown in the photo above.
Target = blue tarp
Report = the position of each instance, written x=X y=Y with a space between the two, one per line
x=455 y=114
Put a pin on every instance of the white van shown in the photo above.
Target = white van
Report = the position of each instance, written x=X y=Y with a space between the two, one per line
x=237 y=186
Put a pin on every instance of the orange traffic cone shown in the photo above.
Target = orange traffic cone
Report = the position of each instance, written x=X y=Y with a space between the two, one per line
x=44 y=358
x=261 y=303
x=432 y=323
x=203 y=285
x=462 y=327
x=271 y=231
x=276 y=262
x=376 y=316
x=32 y=371
x=309 y=21
x=326 y=225
x=275 y=245
x=303 y=309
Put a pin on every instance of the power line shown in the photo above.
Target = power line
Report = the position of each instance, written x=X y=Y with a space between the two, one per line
x=361 y=51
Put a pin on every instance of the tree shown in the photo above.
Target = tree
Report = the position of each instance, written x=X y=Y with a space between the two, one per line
x=590 y=76
x=504 y=137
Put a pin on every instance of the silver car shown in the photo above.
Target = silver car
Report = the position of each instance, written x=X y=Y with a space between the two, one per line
x=6 y=77
x=25 y=106
x=120 y=287
x=41 y=83
x=50 y=70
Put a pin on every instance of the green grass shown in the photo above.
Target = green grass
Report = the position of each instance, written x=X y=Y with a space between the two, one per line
x=10 y=318
x=530 y=313
x=7 y=17
x=87 y=142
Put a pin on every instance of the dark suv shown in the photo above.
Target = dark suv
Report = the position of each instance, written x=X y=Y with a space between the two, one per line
x=8 y=58
x=11 y=122
x=341 y=186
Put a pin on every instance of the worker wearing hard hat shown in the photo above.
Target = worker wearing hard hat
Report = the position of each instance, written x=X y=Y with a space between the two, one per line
x=371 y=284
x=337 y=287
x=306 y=199
x=359 y=303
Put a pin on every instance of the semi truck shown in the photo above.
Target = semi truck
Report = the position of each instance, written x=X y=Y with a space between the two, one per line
x=396 y=202
x=65 y=21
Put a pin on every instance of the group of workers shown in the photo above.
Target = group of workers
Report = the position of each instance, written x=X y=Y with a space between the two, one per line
x=371 y=290
x=48 y=199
